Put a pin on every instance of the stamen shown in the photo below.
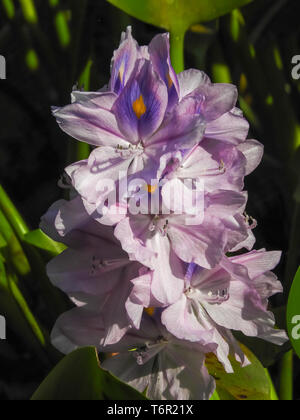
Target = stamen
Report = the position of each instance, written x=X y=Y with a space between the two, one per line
x=251 y=222
x=218 y=296
x=149 y=350
x=99 y=264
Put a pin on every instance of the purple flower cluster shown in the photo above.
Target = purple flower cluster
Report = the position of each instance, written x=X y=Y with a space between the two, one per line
x=151 y=124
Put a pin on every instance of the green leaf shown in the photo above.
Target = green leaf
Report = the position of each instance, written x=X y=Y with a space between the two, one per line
x=293 y=313
x=18 y=315
x=15 y=252
x=78 y=377
x=3 y=243
x=248 y=383
x=171 y=14
x=40 y=240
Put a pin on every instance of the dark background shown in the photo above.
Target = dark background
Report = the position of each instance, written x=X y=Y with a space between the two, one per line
x=34 y=152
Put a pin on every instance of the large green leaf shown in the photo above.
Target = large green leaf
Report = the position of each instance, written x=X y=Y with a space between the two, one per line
x=293 y=314
x=248 y=383
x=78 y=377
x=175 y=14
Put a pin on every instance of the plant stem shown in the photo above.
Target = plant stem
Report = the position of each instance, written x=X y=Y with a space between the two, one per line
x=177 y=49
x=286 y=377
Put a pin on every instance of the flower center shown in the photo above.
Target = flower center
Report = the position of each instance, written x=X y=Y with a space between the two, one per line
x=213 y=296
x=159 y=224
x=132 y=150
x=149 y=350
x=100 y=265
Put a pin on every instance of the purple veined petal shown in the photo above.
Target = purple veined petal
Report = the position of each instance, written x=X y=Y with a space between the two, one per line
x=198 y=163
x=179 y=319
x=149 y=331
x=220 y=98
x=159 y=50
x=269 y=333
x=237 y=271
x=65 y=216
x=224 y=203
x=79 y=327
x=182 y=376
x=188 y=320
x=132 y=244
x=169 y=165
x=183 y=128
x=104 y=100
x=141 y=107
x=47 y=223
x=258 y=262
x=238 y=312
x=90 y=123
x=244 y=311
x=247 y=243
x=103 y=167
x=165 y=365
x=190 y=80
x=139 y=298
x=115 y=317
x=70 y=222
x=253 y=151
x=239 y=233
x=123 y=62
x=125 y=367
x=143 y=52
x=230 y=162
x=182 y=198
x=268 y=285
x=235 y=348
x=231 y=127
x=208 y=280
x=168 y=271
x=202 y=244
x=91 y=271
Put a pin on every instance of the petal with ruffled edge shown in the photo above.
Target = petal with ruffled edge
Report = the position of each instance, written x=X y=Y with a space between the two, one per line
x=183 y=128
x=70 y=222
x=168 y=370
x=123 y=62
x=180 y=320
x=190 y=80
x=231 y=127
x=202 y=244
x=140 y=298
x=93 y=178
x=159 y=50
x=258 y=262
x=253 y=151
x=168 y=271
x=90 y=123
x=244 y=311
x=79 y=327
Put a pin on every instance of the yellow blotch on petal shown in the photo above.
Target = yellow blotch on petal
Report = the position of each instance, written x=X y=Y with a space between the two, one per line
x=170 y=81
x=139 y=107
x=151 y=189
x=121 y=72
x=150 y=311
